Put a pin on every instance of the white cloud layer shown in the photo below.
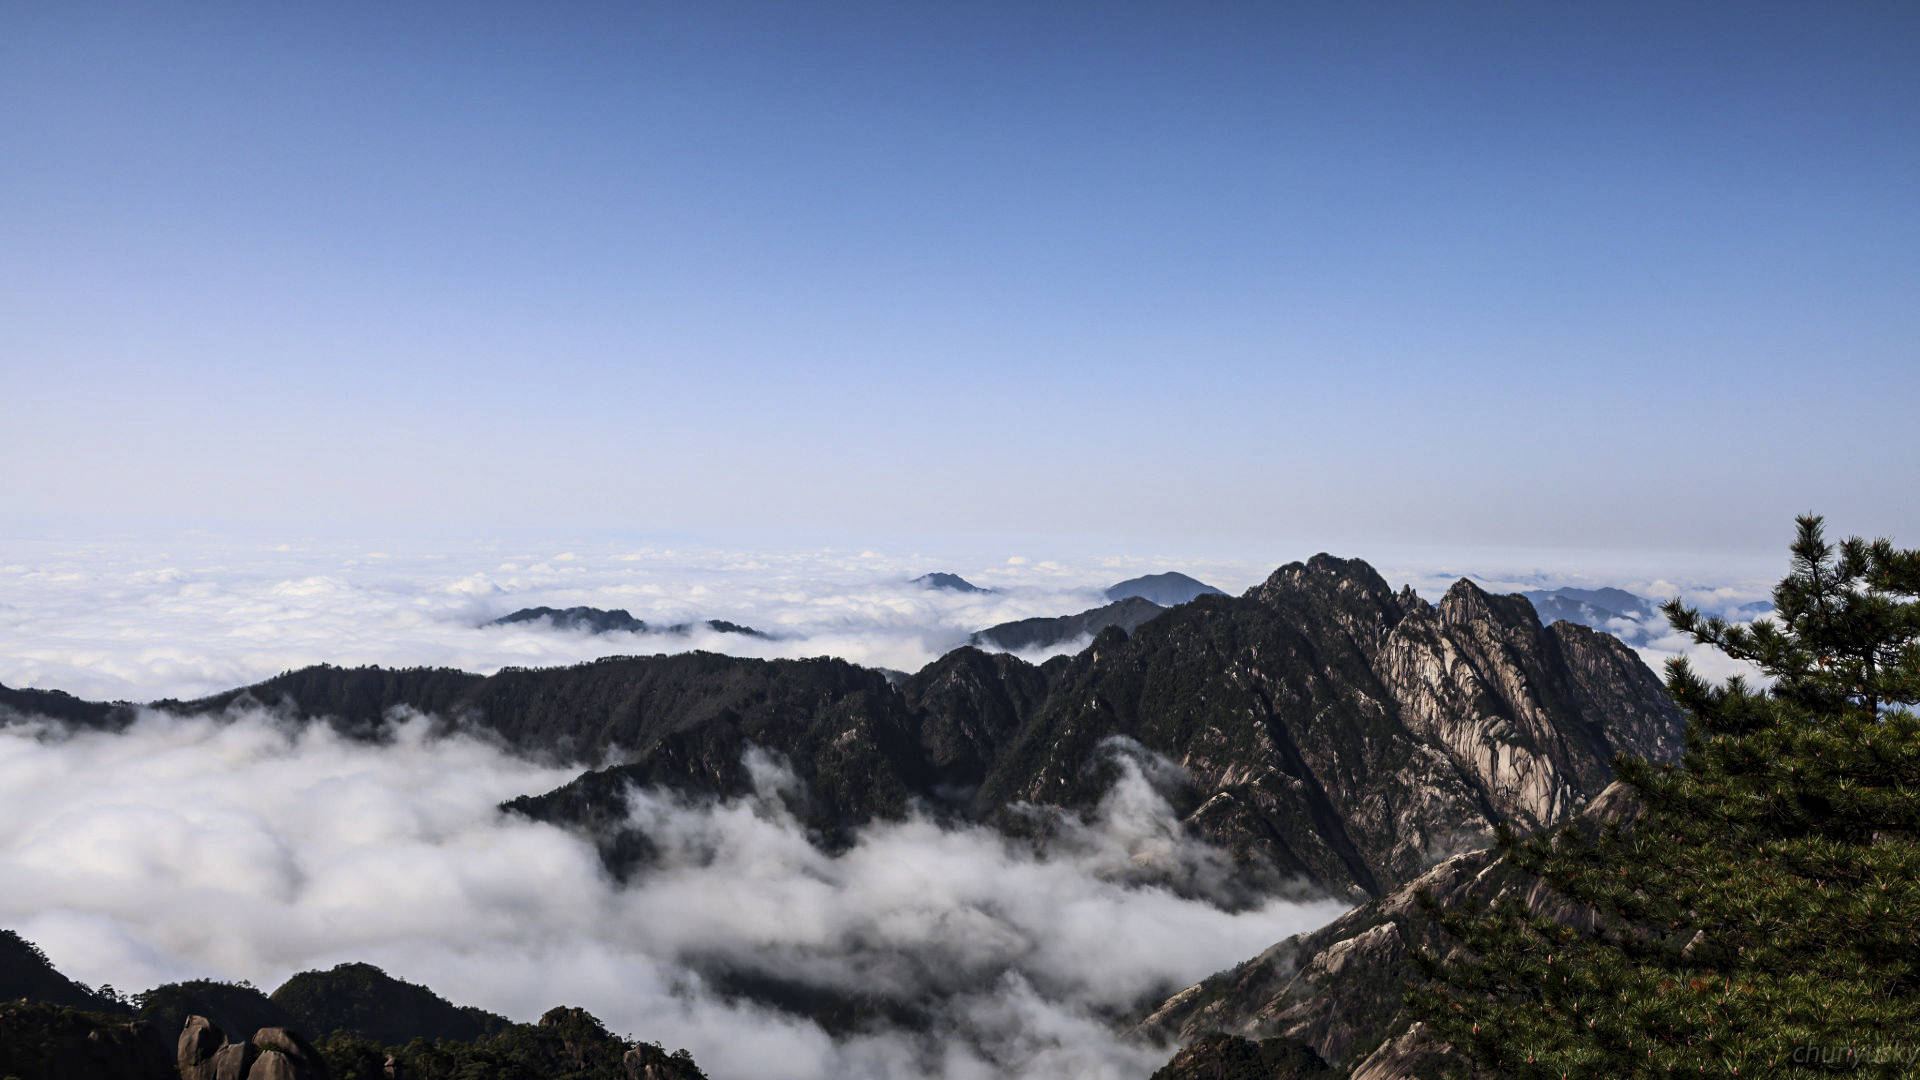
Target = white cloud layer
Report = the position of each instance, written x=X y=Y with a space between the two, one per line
x=252 y=849
x=140 y=620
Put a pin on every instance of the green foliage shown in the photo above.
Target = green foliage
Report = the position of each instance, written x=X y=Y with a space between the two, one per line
x=25 y=972
x=43 y=1041
x=1761 y=915
x=237 y=1009
x=567 y=1044
x=360 y=999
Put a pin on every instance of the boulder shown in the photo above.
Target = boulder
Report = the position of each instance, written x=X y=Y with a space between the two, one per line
x=232 y=1061
x=199 y=1040
x=284 y=1055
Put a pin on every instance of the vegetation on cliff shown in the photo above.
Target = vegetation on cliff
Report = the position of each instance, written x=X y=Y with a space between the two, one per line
x=1762 y=913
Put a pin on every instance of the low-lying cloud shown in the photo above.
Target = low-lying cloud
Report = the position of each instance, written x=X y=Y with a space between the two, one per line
x=248 y=848
x=140 y=620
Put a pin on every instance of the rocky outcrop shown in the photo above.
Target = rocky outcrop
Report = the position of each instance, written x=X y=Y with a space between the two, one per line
x=1344 y=734
x=234 y=1061
x=199 y=1041
x=274 y=1053
x=1220 y=1056
x=649 y=1062
x=285 y=1055
x=1341 y=989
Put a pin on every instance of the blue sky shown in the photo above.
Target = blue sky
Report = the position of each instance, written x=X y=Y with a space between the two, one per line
x=1340 y=275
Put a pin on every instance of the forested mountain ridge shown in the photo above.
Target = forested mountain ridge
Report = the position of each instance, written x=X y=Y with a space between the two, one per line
x=353 y=1022
x=1330 y=733
x=1022 y=634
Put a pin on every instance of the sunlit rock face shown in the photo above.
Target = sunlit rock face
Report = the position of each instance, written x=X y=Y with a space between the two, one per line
x=1340 y=990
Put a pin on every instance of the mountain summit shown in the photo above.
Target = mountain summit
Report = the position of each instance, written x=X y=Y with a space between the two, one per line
x=1165 y=589
x=951 y=582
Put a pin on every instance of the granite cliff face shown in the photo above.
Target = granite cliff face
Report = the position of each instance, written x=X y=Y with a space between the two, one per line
x=1333 y=731
x=1340 y=990
x=1328 y=732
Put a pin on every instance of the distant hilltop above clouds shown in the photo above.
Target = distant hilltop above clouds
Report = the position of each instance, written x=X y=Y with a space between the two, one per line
x=950 y=582
x=1165 y=589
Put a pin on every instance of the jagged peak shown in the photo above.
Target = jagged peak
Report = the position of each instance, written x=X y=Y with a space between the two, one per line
x=1467 y=602
x=1326 y=578
x=1330 y=568
x=1410 y=601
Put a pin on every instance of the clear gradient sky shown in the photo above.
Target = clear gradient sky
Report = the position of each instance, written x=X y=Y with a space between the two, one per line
x=1539 y=274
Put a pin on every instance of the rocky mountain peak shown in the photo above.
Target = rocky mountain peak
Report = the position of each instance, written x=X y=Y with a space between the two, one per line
x=1328 y=579
x=1347 y=593
x=1466 y=604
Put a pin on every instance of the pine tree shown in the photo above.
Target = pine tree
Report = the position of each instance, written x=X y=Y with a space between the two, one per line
x=1760 y=915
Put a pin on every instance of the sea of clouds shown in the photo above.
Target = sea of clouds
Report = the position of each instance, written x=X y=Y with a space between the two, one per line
x=144 y=619
x=245 y=847
x=140 y=621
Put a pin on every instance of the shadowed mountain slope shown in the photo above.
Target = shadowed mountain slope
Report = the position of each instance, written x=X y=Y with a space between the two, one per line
x=25 y=972
x=362 y=1000
x=1041 y=633
x=62 y=706
x=1328 y=732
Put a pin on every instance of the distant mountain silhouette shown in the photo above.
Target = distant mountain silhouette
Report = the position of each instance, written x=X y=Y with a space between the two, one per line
x=617 y=620
x=62 y=706
x=1041 y=633
x=592 y=620
x=1589 y=607
x=950 y=582
x=1165 y=589
x=1635 y=618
